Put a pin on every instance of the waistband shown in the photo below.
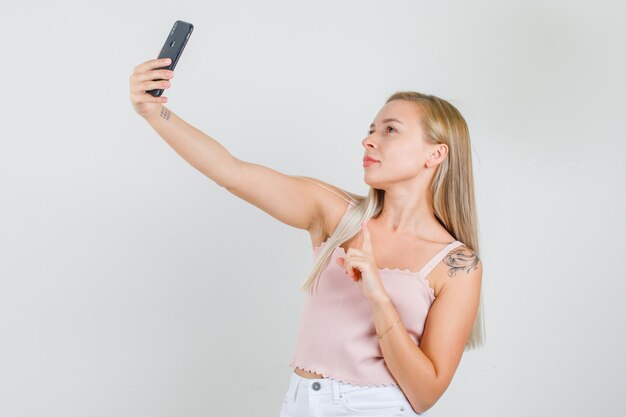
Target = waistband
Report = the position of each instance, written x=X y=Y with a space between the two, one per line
x=334 y=387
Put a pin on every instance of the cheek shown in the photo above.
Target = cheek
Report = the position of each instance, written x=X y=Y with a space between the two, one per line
x=406 y=161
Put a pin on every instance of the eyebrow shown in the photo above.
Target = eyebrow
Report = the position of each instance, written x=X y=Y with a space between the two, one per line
x=389 y=120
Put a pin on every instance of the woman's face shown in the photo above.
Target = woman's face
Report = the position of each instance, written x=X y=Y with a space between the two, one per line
x=398 y=144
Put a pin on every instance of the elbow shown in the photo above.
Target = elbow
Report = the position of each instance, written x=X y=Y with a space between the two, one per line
x=425 y=403
x=424 y=409
x=421 y=408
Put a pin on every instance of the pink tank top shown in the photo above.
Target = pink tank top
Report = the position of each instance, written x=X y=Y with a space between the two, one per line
x=336 y=335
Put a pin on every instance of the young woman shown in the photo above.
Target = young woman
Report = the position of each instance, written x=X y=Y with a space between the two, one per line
x=394 y=295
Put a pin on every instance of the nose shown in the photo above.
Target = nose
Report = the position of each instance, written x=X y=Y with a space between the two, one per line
x=368 y=143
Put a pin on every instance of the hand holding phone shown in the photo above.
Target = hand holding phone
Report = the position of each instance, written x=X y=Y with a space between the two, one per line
x=173 y=48
x=141 y=79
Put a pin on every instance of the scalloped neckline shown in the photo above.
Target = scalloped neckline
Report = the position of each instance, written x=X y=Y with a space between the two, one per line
x=405 y=271
x=417 y=274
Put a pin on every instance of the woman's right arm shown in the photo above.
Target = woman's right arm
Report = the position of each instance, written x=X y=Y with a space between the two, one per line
x=293 y=200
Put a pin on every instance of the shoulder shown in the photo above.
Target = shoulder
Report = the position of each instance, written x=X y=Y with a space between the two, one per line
x=327 y=192
x=461 y=259
x=460 y=268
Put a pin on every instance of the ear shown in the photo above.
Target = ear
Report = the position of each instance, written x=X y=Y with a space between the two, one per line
x=438 y=155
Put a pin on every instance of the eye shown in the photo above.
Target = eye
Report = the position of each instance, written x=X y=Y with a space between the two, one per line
x=369 y=132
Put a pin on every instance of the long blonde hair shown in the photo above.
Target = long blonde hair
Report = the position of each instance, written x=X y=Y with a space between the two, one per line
x=452 y=191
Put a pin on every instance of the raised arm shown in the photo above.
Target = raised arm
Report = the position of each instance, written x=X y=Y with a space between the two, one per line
x=300 y=202
x=294 y=200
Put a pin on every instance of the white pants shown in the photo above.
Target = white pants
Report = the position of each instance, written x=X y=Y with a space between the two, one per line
x=327 y=397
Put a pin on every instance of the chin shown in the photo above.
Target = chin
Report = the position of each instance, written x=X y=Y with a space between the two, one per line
x=374 y=184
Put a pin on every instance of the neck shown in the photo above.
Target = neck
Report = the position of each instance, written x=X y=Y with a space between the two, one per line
x=407 y=215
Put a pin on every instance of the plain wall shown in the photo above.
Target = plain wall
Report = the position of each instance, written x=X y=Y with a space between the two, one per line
x=133 y=285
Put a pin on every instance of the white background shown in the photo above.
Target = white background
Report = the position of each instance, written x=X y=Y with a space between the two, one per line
x=132 y=285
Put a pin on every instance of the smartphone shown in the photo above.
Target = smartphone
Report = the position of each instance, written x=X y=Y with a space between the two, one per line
x=173 y=48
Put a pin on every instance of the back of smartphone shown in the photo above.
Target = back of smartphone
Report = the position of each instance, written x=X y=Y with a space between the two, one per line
x=173 y=47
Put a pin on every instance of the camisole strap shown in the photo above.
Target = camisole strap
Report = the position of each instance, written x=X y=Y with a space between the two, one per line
x=346 y=197
x=438 y=257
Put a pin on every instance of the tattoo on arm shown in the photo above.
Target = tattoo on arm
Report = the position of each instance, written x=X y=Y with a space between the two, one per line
x=461 y=259
x=165 y=113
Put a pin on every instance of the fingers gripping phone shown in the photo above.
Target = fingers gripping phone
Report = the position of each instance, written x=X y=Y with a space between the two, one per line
x=173 y=48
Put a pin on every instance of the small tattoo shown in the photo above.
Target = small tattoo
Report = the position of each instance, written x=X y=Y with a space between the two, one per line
x=165 y=113
x=461 y=259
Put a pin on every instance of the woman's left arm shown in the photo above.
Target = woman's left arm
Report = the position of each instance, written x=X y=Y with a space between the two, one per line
x=425 y=371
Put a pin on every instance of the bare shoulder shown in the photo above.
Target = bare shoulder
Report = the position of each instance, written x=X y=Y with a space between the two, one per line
x=460 y=259
x=461 y=263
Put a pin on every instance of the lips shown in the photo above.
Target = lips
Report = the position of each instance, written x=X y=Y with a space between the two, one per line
x=369 y=158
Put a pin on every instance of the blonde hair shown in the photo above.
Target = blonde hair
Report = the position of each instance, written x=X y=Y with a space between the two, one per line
x=452 y=191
